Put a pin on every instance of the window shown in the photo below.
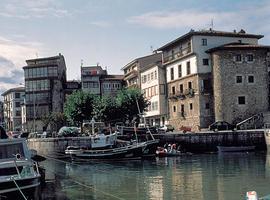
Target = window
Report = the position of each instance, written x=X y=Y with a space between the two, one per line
x=250 y=58
x=189 y=85
x=207 y=106
x=17 y=95
x=155 y=74
x=181 y=88
x=241 y=100
x=172 y=74
x=205 y=61
x=173 y=90
x=239 y=79
x=190 y=106
x=162 y=89
x=152 y=76
x=182 y=109
x=17 y=104
x=250 y=79
x=204 y=42
x=238 y=58
x=188 y=67
x=172 y=54
x=174 y=108
x=18 y=113
x=179 y=71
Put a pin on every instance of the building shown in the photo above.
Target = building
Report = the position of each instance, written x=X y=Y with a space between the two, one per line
x=97 y=81
x=1 y=113
x=240 y=81
x=132 y=70
x=153 y=84
x=45 y=79
x=72 y=86
x=189 y=75
x=12 y=108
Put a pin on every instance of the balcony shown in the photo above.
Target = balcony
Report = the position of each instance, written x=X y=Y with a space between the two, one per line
x=172 y=96
x=189 y=92
x=177 y=55
x=180 y=95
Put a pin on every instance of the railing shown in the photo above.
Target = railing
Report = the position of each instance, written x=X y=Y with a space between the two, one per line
x=189 y=92
x=253 y=122
x=177 y=54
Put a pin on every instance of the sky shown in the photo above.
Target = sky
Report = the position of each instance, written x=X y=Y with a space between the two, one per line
x=111 y=32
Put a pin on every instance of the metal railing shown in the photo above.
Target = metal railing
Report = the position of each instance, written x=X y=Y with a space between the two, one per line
x=253 y=122
x=177 y=54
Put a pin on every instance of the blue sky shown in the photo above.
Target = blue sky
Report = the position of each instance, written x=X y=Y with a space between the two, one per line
x=111 y=32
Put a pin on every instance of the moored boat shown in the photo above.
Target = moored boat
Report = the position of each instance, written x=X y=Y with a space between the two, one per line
x=19 y=174
x=267 y=137
x=235 y=148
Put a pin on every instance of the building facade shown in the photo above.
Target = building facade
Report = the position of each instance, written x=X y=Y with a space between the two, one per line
x=153 y=85
x=45 y=79
x=13 y=98
x=189 y=75
x=133 y=69
x=240 y=81
x=97 y=81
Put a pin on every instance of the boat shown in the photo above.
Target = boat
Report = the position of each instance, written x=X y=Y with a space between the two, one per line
x=19 y=174
x=235 y=148
x=170 y=151
x=130 y=151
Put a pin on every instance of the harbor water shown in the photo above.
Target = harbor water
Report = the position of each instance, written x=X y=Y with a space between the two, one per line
x=202 y=176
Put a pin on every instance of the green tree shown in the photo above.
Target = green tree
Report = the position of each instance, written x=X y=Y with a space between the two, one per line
x=130 y=102
x=55 y=119
x=79 y=107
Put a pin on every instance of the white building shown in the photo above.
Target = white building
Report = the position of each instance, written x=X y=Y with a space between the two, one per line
x=12 y=108
x=153 y=86
x=189 y=75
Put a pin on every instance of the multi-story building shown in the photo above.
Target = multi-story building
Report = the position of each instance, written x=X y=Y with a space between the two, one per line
x=153 y=86
x=1 y=112
x=189 y=75
x=72 y=86
x=12 y=108
x=240 y=81
x=132 y=70
x=45 y=79
x=97 y=81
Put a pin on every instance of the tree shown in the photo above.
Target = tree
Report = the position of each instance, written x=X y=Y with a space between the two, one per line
x=55 y=119
x=79 y=107
x=131 y=103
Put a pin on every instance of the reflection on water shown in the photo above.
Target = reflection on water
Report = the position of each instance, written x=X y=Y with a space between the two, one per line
x=207 y=176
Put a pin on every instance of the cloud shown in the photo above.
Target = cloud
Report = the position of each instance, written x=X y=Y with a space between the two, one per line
x=12 y=58
x=101 y=24
x=32 y=9
x=244 y=16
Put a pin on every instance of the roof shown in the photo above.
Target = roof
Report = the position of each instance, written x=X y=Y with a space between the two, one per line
x=17 y=89
x=237 y=46
x=210 y=32
x=140 y=59
x=113 y=77
x=46 y=58
x=95 y=67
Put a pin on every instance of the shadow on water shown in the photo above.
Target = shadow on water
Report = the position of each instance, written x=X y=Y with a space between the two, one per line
x=205 y=176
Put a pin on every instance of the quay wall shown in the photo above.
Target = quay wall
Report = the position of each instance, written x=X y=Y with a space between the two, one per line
x=55 y=147
x=194 y=142
x=208 y=141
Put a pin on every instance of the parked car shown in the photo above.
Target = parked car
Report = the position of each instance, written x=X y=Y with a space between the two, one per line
x=166 y=128
x=221 y=125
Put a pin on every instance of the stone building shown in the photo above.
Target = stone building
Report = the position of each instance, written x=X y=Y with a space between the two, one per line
x=45 y=80
x=153 y=85
x=13 y=98
x=189 y=75
x=240 y=81
x=97 y=81
x=132 y=70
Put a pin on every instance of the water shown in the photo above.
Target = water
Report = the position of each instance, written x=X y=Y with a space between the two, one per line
x=205 y=176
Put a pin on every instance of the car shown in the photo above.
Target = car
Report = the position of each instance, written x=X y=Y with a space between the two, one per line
x=221 y=125
x=166 y=128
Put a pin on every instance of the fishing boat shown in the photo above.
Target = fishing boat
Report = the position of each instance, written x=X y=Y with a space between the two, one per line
x=130 y=151
x=235 y=148
x=19 y=174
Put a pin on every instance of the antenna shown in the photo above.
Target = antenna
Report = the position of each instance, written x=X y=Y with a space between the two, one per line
x=151 y=49
x=81 y=62
x=97 y=63
x=37 y=54
x=212 y=24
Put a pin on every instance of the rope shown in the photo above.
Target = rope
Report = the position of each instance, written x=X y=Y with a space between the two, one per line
x=18 y=188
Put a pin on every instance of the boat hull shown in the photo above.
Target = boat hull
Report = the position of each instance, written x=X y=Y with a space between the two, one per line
x=267 y=138
x=123 y=153
x=151 y=147
x=235 y=148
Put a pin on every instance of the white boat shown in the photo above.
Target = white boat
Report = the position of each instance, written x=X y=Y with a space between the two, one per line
x=235 y=148
x=267 y=137
x=19 y=174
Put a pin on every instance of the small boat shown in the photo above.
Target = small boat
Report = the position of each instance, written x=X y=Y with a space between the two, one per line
x=133 y=151
x=170 y=151
x=19 y=174
x=235 y=148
